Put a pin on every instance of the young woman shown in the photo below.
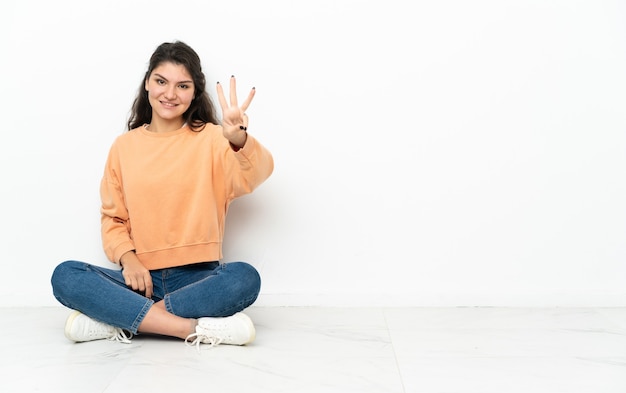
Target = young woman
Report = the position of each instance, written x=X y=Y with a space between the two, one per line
x=165 y=192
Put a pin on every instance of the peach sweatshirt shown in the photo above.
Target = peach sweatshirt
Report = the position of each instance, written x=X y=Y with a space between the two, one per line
x=165 y=195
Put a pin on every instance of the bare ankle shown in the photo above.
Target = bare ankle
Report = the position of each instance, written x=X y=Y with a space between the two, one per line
x=193 y=323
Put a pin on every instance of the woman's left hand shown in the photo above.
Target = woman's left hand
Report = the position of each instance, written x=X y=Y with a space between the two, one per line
x=234 y=118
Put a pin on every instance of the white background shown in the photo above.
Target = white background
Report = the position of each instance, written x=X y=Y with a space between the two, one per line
x=427 y=153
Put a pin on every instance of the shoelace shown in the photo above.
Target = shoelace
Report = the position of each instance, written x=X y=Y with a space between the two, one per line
x=120 y=336
x=202 y=339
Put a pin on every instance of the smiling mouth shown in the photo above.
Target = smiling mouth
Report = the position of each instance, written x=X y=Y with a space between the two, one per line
x=168 y=104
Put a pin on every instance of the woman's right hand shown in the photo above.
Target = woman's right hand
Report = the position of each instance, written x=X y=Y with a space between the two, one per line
x=135 y=274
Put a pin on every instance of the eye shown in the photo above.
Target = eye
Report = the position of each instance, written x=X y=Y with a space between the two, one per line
x=184 y=87
x=160 y=81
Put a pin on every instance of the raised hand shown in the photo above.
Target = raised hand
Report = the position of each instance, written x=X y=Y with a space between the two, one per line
x=234 y=118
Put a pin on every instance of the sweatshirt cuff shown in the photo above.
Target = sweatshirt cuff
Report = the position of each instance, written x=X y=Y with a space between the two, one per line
x=121 y=250
x=249 y=147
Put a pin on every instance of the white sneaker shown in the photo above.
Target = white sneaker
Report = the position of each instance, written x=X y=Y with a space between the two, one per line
x=80 y=328
x=234 y=330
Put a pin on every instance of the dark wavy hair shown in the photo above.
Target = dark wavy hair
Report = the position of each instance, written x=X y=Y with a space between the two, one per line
x=200 y=112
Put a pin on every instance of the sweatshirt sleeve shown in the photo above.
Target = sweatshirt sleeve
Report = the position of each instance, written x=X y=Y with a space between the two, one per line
x=251 y=166
x=115 y=224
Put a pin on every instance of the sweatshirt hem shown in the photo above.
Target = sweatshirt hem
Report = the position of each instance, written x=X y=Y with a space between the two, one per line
x=180 y=256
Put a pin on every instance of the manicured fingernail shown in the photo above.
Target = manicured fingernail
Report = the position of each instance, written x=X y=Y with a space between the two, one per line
x=232 y=76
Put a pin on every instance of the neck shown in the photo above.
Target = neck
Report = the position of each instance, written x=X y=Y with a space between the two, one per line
x=160 y=125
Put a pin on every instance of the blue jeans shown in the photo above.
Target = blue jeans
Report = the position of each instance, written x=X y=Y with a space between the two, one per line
x=200 y=290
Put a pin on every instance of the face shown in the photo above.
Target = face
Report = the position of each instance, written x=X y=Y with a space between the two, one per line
x=170 y=91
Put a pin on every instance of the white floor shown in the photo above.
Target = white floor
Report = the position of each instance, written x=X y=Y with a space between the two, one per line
x=425 y=350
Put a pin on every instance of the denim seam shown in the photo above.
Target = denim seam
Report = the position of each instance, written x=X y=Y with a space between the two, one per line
x=141 y=315
x=168 y=304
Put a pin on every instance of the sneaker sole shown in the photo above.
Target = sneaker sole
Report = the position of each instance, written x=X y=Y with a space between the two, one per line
x=68 y=324
x=246 y=319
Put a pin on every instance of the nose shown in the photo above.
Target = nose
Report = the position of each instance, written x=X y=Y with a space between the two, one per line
x=170 y=93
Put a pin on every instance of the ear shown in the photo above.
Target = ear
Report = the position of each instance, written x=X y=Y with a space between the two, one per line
x=145 y=82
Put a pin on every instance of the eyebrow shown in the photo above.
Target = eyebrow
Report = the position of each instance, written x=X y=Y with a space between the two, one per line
x=162 y=77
